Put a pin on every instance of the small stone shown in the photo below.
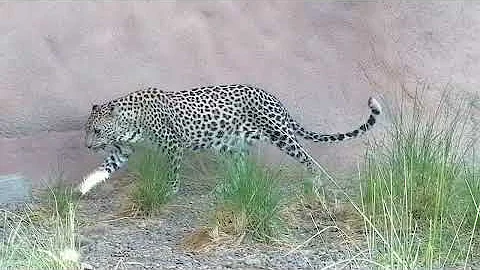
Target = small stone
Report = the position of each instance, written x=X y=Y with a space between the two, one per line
x=15 y=189
x=86 y=266
x=253 y=261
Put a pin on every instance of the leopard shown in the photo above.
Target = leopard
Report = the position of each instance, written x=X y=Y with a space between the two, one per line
x=227 y=118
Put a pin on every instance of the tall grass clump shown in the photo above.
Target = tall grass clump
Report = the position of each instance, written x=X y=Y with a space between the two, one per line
x=248 y=199
x=150 y=169
x=419 y=192
x=29 y=244
x=58 y=199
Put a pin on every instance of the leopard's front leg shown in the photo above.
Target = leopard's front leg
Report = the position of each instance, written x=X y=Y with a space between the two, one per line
x=175 y=156
x=116 y=158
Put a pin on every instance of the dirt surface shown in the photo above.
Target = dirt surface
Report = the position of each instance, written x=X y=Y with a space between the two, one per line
x=112 y=235
x=180 y=236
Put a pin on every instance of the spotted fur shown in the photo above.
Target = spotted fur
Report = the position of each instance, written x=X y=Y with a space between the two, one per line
x=224 y=117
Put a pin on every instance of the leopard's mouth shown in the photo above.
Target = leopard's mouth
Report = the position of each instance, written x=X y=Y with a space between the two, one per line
x=97 y=148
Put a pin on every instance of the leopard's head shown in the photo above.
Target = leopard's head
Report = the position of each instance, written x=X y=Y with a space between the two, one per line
x=103 y=127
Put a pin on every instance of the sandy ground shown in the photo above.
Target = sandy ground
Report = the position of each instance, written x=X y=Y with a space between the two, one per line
x=317 y=234
x=181 y=235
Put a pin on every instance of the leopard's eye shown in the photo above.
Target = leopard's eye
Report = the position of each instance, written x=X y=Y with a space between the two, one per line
x=96 y=131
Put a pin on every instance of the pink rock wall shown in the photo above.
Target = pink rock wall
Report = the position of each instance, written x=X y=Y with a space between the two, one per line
x=321 y=59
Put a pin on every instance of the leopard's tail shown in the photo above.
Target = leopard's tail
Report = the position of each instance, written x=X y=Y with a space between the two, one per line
x=375 y=110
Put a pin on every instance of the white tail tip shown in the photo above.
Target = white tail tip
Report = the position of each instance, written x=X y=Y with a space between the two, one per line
x=92 y=180
x=374 y=105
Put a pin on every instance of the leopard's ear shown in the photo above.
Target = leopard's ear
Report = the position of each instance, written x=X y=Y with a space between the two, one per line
x=114 y=110
x=95 y=108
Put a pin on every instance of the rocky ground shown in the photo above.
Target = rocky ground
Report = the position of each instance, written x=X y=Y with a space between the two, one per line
x=112 y=235
x=181 y=235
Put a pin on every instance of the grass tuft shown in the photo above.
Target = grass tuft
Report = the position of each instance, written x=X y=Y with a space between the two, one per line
x=419 y=190
x=29 y=244
x=149 y=167
x=248 y=200
x=58 y=199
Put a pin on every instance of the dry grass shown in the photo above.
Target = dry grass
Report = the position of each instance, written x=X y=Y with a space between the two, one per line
x=206 y=239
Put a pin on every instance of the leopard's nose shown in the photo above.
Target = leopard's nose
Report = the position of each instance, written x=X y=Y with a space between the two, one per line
x=88 y=142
